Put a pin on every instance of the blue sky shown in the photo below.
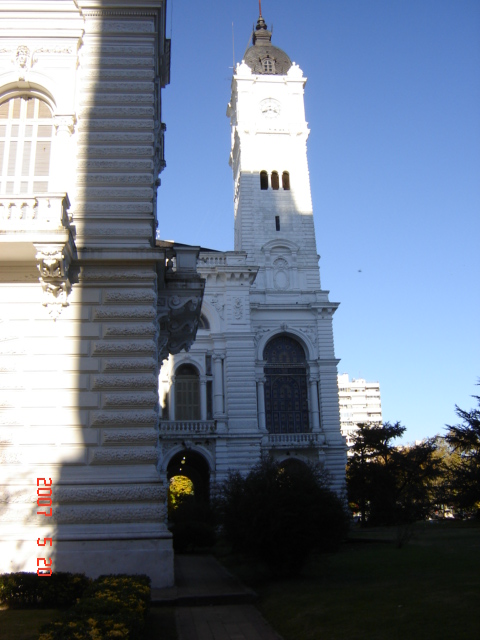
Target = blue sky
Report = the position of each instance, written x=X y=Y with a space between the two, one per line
x=393 y=105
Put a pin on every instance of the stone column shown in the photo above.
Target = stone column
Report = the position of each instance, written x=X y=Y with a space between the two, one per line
x=261 y=404
x=217 y=385
x=203 y=398
x=314 y=405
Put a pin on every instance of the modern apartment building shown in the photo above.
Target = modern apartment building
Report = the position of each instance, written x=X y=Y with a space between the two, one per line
x=359 y=402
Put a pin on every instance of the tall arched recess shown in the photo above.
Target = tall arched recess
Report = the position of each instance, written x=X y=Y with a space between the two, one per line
x=286 y=386
x=187 y=393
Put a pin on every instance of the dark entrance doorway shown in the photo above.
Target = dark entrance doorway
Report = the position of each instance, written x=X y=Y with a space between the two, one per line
x=189 y=515
x=191 y=465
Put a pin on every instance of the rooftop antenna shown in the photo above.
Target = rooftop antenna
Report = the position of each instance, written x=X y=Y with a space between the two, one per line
x=171 y=18
x=233 y=48
x=260 y=7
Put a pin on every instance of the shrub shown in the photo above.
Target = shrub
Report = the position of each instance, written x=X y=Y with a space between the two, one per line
x=21 y=590
x=112 y=607
x=280 y=514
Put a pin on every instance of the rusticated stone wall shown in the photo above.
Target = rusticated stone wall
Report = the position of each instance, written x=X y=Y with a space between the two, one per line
x=79 y=331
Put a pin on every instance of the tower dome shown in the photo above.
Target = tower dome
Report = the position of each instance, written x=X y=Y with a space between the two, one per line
x=262 y=57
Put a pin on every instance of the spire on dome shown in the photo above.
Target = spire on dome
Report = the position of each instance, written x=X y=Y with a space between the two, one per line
x=262 y=57
x=261 y=33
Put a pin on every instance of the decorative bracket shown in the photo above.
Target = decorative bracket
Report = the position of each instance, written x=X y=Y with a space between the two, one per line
x=180 y=295
x=53 y=263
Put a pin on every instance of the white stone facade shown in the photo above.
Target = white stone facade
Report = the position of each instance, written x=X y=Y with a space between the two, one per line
x=89 y=309
x=360 y=403
x=260 y=299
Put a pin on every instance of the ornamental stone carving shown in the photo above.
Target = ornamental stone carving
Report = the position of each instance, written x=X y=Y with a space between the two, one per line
x=260 y=332
x=238 y=308
x=311 y=332
x=64 y=124
x=179 y=302
x=53 y=263
x=22 y=61
x=216 y=301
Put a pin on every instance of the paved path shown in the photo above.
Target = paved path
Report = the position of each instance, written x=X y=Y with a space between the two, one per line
x=228 y=622
x=211 y=604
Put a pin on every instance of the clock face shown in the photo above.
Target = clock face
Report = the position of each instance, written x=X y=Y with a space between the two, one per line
x=270 y=108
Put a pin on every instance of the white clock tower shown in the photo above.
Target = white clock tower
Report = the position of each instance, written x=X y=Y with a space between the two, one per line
x=269 y=154
x=262 y=371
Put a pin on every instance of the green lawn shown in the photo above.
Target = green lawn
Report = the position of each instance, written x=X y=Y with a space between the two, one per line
x=24 y=624
x=428 y=589
x=372 y=590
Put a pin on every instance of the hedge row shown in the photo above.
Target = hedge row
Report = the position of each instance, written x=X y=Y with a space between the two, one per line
x=111 y=607
x=21 y=590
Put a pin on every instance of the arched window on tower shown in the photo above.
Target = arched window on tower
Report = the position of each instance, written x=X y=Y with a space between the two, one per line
x=26 y=131
x=263 y=180
x=286 y=180
x=275 y=180
x=286 y=389
x=187 y=393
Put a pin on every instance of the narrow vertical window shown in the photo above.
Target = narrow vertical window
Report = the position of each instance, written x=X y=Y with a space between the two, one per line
x=209 y=400
x=286 y=180
x=275 y=180
x=263 y=180
x=208 y=365
x=277 y=223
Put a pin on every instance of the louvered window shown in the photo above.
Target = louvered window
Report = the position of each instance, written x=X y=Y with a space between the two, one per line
x=26 y=131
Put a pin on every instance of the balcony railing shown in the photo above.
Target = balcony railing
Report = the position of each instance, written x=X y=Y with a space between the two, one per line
x=213 y=260
x=25 y=213
x=286 y=440
x=187 y=427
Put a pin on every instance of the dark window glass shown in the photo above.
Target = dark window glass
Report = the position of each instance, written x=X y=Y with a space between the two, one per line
x=209 y=400
x=277 y=223
x=275 y=180
x=263 y=180
x=187 y=393
x=208 y=365
x=286 y=180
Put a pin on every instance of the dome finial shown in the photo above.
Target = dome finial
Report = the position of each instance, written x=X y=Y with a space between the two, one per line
x=261 y=31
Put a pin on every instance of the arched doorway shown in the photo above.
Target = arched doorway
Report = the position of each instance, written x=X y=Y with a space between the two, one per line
x=286 y=389
x=189 y=515
x=293 y=465
x=193 y=466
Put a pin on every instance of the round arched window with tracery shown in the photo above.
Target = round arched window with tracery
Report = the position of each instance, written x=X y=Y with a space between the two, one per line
x=286 y=389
